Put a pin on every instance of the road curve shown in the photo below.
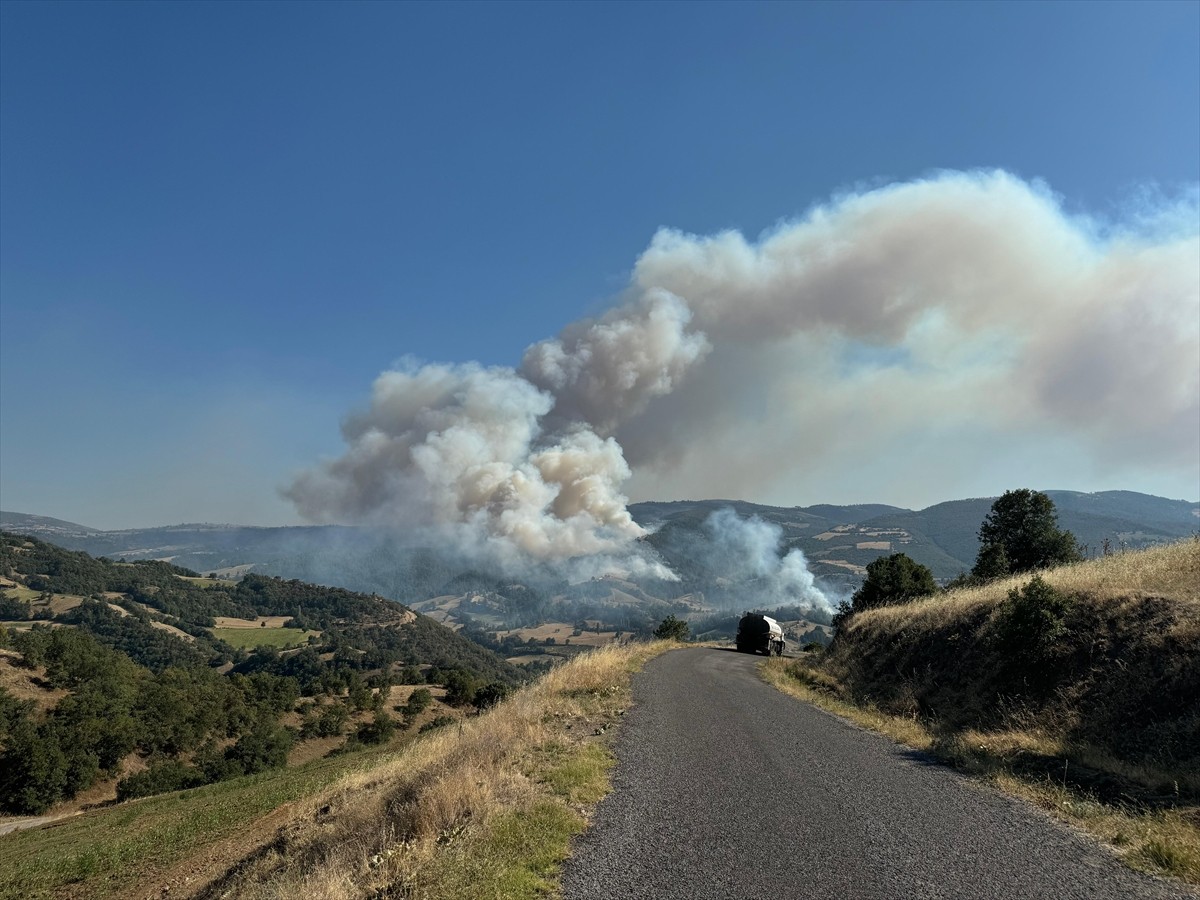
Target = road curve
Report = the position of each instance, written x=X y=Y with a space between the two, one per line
x=725 y=788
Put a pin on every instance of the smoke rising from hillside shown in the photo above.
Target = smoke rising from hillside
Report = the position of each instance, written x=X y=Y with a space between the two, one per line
x=963 y=301
x=747 y=550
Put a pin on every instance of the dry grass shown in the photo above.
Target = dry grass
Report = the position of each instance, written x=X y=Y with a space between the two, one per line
x=814 y=686
x=27 y=683
x=563 y=635
x=1160 y=841
x=483 y=809
x=1169 y=571
x=1098 y=727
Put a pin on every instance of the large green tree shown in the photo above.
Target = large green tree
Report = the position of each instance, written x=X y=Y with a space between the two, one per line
x=1021 y=534
x=672 y=629
x=893 y=579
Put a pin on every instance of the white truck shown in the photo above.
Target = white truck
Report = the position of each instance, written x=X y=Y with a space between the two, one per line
x=759 y=634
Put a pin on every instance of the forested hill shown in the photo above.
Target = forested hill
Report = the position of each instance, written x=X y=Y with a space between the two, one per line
x=151 y=674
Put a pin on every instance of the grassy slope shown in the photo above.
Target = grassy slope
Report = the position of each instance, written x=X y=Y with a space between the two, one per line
x=1102 y=727
x=106 y=851
x=249 y=638
x=485 y=809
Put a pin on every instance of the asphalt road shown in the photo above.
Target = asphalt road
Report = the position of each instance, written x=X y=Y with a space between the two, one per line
x=725 y=788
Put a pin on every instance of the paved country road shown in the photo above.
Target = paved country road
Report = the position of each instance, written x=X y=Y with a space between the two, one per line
x=725 y=788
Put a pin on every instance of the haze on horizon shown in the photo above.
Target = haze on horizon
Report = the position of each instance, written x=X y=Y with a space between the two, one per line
x=812 y=253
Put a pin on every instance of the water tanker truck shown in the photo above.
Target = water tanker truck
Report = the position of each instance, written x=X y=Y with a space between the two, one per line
x=759 y=634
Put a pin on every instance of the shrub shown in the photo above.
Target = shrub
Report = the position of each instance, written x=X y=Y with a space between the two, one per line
x=264 y=747
x=460 y=688
x=328 y=722
x=672 y=629
x=11 y=608
x=377 y=731
x=1033 y=619
x=169 y=775
x=890 y=579
x=490 y=694
x=439 y=722
x=418 y=701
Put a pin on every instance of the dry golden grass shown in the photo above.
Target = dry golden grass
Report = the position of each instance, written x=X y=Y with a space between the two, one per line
x=1104 y=741
x=816 y=687
x=1169 y=571
x=563 y=634
x=485 y=808
x=1162 y=841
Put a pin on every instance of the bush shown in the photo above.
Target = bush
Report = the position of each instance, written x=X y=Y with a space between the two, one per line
x=891 y=579
x=377 y=731
x=327 y=723
x=672 y=629
x=490 y=694
x=266 y=746
x=460 y=688
x=13 y=609
x=170 y=775
x=439 y=722
x=1033 y=619
x=418 y=701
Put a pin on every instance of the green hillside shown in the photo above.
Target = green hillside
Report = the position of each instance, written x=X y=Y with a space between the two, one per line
x=118 y=673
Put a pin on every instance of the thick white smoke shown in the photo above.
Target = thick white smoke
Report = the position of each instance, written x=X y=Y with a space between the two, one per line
x=964 y=306
x=461 y=450
x=747 y=550
x=603 y=372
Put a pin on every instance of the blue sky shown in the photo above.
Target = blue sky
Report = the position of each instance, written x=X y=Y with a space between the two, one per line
x=219 y=222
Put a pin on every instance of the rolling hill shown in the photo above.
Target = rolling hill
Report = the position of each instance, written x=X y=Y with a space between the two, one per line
x=120 y=680
x=838 y=542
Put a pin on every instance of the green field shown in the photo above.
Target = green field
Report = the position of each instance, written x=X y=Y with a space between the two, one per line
x=20 y=592
x=101 y=852
x=249 y=638
x=200 y=582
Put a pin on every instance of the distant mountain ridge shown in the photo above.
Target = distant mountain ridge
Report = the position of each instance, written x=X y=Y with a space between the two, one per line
x=838 y=540
x=38 y=525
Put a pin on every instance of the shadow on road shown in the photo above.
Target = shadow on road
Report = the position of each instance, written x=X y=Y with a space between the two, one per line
x=736 y=650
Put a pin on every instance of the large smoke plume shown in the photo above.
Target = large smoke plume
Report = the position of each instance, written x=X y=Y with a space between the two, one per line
x=966 y=302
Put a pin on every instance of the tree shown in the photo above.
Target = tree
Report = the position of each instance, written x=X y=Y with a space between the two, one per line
x=490 y=694
x=418 y=701
x=460 y=688
x=893 y=579
x=379 y=730
x=672 y=629
x=1021 y=534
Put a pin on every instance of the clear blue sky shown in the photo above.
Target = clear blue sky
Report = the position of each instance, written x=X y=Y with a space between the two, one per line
x=220 y=221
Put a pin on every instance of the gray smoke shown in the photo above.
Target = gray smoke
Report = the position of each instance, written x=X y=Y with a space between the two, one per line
x=460 y=452
x=965 y=305
x=747 y=551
